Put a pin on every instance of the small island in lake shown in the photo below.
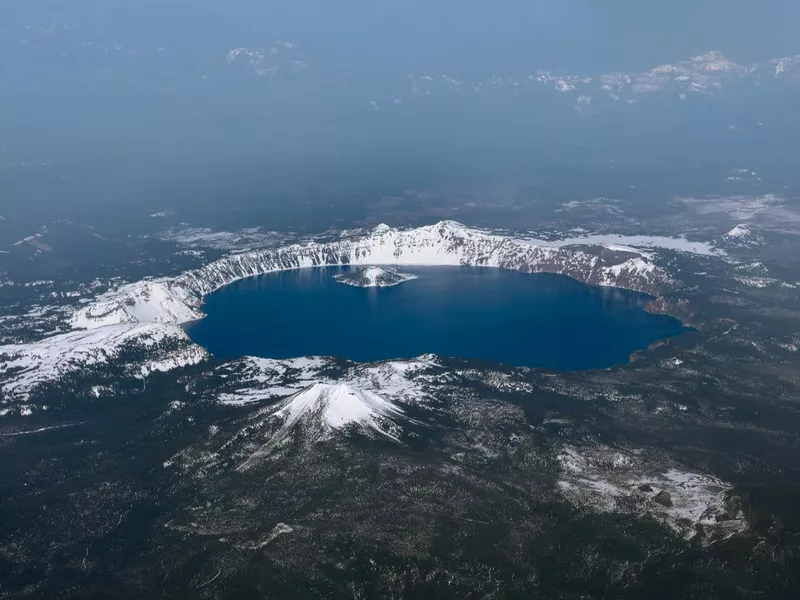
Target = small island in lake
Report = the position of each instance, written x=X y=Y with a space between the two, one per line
x=374 y=277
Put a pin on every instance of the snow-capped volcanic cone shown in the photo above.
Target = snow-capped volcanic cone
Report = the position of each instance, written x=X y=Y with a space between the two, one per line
x=374 y=277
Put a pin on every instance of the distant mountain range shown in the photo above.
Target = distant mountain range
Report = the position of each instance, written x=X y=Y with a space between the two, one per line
x=225 y=92
x=263 y=61
x=729 y=95
x=700 y=75
x=703 y=74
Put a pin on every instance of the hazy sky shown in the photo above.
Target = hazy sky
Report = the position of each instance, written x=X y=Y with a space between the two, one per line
x=140 y=92
x=583 y=35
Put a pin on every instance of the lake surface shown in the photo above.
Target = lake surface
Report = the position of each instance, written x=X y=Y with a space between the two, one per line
x=501 y=316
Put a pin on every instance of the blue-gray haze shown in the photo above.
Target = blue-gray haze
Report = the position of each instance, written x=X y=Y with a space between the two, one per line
x=134 y=96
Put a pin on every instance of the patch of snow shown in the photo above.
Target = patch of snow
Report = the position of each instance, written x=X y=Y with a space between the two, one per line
x=757 y=282
x=374 y=277
x=142 y=302
x=260 y=379
x=202 y=237
x=768 y=211
x=98 y=390
x=563 y=86
x=635 y=267
x=635 y=243
x=739 y=231
x=611 y=480
x=24 y=366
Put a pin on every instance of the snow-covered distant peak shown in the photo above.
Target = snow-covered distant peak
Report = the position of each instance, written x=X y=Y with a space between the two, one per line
x=446 y=225
x=268 y=60
x=787 y=66
x=236 y=53
x=714 y=60
x=742 y=236
x=740 y=230
x=697 y=74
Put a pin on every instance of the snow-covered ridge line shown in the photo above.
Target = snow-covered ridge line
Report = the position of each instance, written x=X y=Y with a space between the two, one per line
x=177 y=300
x=705 y=75
x=161 y=348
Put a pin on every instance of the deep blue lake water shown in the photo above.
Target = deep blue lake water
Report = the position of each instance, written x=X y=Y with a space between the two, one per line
x=545 y=321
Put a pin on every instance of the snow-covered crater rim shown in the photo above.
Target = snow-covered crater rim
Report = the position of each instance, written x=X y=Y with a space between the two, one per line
x=147 y=314
x=177 y=300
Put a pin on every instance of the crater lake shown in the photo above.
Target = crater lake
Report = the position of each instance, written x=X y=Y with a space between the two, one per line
x=541 y=320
